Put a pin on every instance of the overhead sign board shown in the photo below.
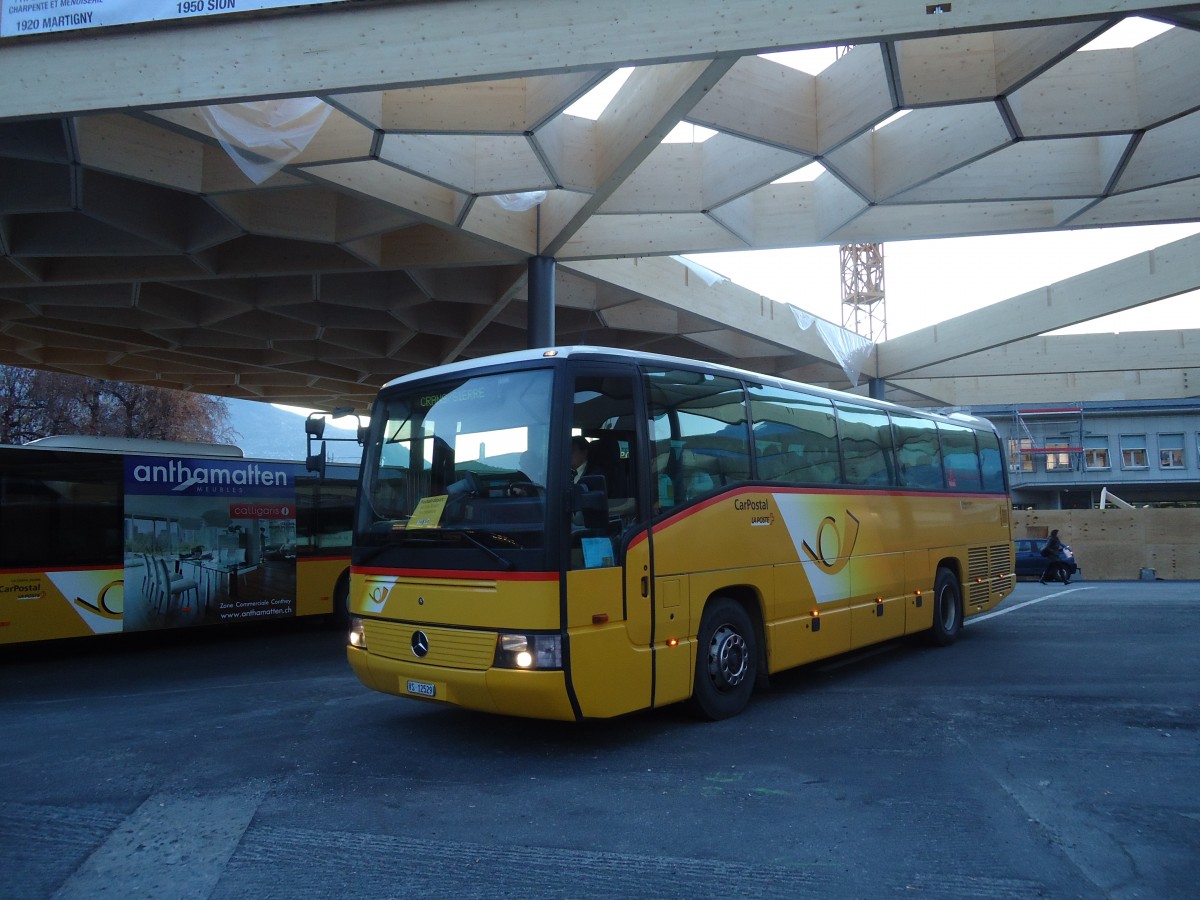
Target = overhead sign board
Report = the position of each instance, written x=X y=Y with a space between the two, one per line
x=18 y=17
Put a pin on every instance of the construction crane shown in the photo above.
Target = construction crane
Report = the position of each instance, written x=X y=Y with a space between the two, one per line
x=864 y=304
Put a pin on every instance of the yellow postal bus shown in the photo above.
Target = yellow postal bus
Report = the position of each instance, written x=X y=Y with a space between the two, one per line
x=718 y=526
x=108 y=535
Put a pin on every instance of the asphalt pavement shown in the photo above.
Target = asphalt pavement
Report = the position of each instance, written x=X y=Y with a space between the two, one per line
x=1052 y=752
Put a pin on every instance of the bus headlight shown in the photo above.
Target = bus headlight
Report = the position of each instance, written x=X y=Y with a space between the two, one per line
x=529 y=651
x=357 y=637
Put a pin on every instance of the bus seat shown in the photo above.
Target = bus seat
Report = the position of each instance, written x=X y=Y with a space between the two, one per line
x=592 y=501
x=604 y=458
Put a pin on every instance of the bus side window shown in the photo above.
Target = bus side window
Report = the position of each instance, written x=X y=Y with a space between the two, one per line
x=700 y=434
x=918 y=453
x=60 y=509
x=795 y=437
x=866 y=437
x=991 y=462
x=961 y=457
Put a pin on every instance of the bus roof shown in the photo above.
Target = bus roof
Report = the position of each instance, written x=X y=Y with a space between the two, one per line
x=548 y=354
x=144 y=446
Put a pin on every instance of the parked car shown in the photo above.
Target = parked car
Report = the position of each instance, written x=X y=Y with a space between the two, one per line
x=1031 y=562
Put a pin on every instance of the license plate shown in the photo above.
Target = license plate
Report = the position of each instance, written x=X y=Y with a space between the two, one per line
x=422 y=688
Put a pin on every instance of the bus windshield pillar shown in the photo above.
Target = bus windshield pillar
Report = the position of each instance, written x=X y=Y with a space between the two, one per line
x=541 y=301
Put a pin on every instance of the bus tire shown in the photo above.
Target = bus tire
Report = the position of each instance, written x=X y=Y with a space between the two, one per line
x=947 y=609
x=339 y=615
x=726 y=660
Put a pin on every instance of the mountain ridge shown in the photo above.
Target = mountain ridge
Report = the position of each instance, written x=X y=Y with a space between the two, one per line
x=265 y=431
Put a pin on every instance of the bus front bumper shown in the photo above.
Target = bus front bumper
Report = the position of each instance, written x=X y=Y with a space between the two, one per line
x=510 y=692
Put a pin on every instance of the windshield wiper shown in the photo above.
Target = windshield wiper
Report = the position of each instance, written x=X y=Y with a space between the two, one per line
x=390 y=536
x=508 y=565
x=393 y=539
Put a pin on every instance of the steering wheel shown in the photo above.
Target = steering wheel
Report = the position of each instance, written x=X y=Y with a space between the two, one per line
x=525 y=489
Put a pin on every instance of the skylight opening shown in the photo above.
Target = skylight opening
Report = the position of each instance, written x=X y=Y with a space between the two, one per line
x=811 y=172
x=894 y=117
x=1127 y=33
x=687 y=133
x=814 y=62
x=592 y=104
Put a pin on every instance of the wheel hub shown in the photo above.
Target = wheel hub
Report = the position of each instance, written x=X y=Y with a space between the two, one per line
x=728 y=660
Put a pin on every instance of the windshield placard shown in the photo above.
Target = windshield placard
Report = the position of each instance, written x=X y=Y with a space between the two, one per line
x=428 y=513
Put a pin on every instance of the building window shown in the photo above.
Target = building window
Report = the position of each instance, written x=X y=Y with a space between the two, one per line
x=1057 y=457
x=1170 y=451
x=1019 y=461
x=1133 y=451
x=1095 y=453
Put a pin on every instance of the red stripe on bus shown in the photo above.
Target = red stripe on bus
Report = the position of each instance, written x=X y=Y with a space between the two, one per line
x=49 y=569
x=456 y=573
x=891 y=492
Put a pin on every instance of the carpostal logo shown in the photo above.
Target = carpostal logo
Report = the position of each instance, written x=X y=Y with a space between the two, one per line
x=760 y=511
x=196 y=476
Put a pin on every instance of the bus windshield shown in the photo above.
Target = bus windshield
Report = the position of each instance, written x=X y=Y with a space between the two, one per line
x=466 y=457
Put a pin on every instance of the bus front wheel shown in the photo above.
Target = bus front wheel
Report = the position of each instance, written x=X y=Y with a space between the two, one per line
x=726 y=660
x=947 y=609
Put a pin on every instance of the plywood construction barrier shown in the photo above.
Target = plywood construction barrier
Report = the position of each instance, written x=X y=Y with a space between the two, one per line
x=1118 y=544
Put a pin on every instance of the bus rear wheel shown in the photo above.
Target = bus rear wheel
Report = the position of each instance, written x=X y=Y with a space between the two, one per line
x=947 y=609
x=726 y=660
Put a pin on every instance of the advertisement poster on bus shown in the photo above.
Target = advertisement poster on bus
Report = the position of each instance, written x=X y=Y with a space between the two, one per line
x=19 y=17
x=208 y=541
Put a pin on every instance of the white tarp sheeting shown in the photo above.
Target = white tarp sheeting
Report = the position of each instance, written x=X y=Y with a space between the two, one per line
x=263 y=136
x=849 y=349
x=520 y=202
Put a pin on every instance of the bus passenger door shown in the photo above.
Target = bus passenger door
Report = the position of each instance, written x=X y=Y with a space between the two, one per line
x=639 y=592
x=608 y=576
x=609 y=625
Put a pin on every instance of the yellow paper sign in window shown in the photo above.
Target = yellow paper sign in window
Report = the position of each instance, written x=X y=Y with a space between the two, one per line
x=428 y=513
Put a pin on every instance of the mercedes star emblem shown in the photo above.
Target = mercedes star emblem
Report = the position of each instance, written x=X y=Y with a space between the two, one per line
x=420 y=643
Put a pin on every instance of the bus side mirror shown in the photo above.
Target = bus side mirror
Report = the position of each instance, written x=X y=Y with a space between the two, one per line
x=315 y=462
x=314 y=430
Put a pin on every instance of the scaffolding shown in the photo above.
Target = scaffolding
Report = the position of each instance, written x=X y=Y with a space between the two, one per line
x=1023 y=445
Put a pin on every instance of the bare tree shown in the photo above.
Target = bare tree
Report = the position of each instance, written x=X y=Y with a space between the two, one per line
x=35 y=404
x=18 y=417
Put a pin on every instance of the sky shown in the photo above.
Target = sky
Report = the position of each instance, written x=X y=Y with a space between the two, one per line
x=926 y=282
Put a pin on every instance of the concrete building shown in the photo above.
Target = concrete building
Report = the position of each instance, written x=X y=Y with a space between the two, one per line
x=1064 y=456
